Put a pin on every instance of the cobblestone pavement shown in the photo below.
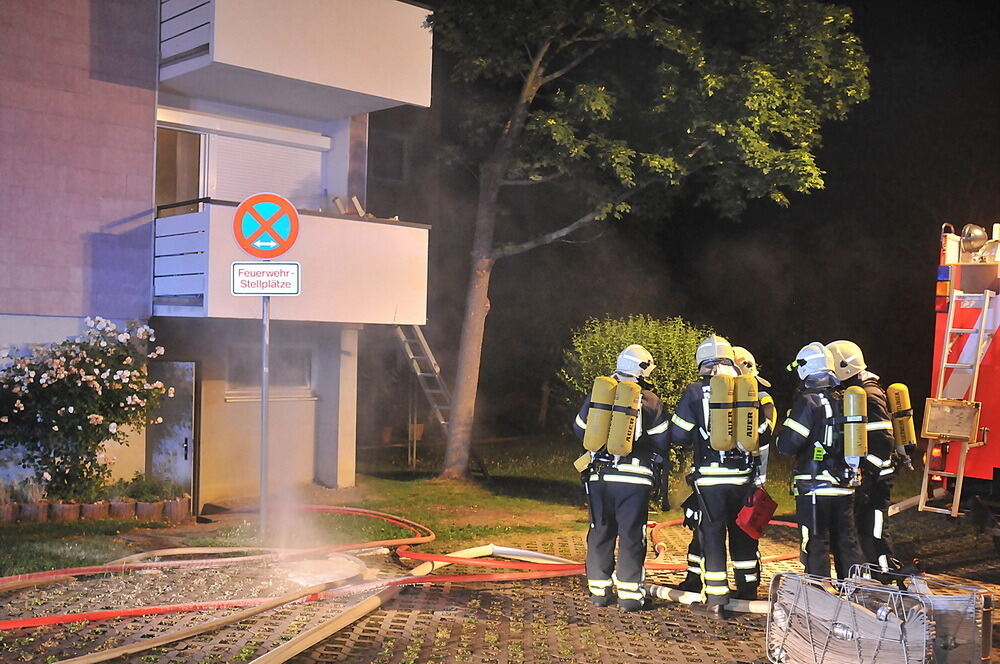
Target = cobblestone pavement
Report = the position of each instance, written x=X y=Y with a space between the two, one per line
x=547 y=620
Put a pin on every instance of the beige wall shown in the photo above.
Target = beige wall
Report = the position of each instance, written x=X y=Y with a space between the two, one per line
x=230 y=444
x=376 y=47
x=128 y=459
x=309 y=435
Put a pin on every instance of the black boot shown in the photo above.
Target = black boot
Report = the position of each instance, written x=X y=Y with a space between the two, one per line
x=717 y=611
x=633 y=605
x=602 y=600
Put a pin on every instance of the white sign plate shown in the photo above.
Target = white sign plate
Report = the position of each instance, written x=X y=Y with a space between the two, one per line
x=266 y=278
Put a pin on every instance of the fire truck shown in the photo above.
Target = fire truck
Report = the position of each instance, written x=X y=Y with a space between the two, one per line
x=961 y=419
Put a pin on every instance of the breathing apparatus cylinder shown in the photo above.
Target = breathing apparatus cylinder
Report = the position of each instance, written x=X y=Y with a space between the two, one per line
x=902 y=415
x=855 y=431
x=623 y=417
x=602 y=399
x=747 y=414
x=721 y=423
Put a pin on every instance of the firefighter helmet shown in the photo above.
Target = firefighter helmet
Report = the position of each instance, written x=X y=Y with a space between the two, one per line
x=713 y=347
x=635 y=361
x=848 y=360
x=812 y=359
x=747 y=365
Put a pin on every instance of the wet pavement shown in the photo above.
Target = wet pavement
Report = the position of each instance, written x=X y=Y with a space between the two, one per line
x=546 y=620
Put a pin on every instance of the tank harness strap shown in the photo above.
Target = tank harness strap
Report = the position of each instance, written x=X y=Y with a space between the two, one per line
x=631 y=412
x=846 y=418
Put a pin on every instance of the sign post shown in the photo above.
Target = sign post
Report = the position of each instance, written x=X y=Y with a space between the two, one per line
x=265 y=226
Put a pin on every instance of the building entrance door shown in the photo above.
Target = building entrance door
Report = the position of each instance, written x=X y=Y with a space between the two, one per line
x=171 y=447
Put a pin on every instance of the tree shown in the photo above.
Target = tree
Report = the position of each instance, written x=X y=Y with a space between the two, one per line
x=621 y=105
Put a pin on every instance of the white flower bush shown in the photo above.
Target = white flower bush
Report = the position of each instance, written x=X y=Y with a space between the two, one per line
x=61 y=401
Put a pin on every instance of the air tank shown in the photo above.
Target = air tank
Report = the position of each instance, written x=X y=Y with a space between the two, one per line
x=623 y=418
x=747 y=413
x=902 y=415
x=855 y=431
x=602 y=397
x=720 y=413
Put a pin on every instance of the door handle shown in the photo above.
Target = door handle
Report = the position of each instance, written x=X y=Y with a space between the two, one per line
x=186 y=449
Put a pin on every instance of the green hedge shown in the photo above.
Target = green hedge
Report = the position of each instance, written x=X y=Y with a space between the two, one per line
x=594 y=347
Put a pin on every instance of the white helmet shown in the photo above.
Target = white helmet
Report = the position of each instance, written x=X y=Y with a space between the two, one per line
x=814 y=358
x=848 y=360
x=635 y=361
x=713 y=347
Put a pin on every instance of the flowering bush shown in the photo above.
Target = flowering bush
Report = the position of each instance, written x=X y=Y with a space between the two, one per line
x=61 y=401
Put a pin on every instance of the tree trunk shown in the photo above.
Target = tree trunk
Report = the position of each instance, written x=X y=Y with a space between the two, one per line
x=477 y=306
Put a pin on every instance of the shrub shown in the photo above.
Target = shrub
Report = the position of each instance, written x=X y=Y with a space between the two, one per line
x=594 y=347
x=145 y=489
x=62 y=401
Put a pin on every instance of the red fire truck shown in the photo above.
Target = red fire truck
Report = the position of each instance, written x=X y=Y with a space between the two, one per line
x=961 y=420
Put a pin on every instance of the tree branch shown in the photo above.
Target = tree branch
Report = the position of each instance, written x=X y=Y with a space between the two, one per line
x=535 y=179
x=570 y=66
x=547 y=238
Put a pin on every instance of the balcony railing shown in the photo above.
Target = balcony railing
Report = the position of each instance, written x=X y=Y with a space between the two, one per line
x=354 y=269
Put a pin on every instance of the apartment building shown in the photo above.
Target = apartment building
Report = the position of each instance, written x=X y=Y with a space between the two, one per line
x=129 y=131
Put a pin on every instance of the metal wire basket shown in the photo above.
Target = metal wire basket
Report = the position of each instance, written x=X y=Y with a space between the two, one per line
x=905 y=620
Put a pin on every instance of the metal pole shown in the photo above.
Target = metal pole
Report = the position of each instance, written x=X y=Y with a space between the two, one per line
x=264 y=398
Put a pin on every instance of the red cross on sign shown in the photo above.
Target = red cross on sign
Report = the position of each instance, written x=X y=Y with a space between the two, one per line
x=265 y=225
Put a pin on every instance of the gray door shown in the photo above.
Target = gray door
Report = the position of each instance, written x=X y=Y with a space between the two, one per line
x=170 y=446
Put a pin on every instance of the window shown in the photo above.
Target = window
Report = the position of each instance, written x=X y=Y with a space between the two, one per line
x=241 y=167
x=289 y=369
x=178 y=169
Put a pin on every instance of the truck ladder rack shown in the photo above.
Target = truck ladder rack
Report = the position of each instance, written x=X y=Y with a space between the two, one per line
x=952 y=334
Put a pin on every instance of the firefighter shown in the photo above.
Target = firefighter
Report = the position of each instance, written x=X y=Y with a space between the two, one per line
x=746 y=364
x=823 y=482
x=871 y=499
x=618 y=489
x=722 y=481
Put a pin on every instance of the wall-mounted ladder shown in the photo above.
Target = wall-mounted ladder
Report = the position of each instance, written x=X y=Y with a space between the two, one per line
x=428 y=375
x=972 y=365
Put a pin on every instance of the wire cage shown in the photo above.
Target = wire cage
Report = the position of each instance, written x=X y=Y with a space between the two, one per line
x=908 y=619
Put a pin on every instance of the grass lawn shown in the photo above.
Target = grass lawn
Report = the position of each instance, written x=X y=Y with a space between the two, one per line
x=32 y=547
x=533 y=490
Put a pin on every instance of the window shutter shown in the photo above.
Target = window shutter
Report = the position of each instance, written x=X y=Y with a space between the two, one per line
x=242 y=167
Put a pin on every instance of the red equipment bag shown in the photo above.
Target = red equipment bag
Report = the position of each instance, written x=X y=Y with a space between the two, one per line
x=753 y=518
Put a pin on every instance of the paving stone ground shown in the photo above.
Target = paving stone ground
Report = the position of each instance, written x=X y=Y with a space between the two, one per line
x=539 y=621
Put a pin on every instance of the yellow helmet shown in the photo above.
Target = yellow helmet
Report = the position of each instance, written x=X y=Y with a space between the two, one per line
x=848 y=360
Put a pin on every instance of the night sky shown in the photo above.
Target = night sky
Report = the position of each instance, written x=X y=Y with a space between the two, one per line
x=856 y=260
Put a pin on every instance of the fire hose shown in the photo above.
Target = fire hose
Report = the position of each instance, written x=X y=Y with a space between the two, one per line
x=538 y=565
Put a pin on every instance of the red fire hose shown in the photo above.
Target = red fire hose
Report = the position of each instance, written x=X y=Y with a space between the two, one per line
x=552 y=567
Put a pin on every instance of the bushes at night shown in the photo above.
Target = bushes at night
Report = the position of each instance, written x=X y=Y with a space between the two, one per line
x=595 y=345
x=62 y=401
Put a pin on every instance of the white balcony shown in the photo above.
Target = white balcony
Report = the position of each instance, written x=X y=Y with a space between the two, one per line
x=353 y=270
x=318 y=59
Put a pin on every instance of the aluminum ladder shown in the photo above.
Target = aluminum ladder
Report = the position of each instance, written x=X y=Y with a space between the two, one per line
x=428 y=375
x=953 y=334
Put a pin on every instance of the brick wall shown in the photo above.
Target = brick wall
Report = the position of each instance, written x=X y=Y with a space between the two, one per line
x=77 y=128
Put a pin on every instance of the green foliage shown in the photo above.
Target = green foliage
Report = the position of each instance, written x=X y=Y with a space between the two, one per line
x=729 y=95
x=62 y=401
x=594 y=347
x=146 y=490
